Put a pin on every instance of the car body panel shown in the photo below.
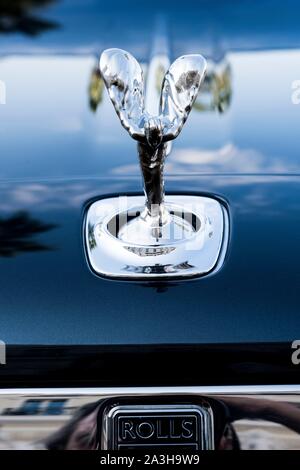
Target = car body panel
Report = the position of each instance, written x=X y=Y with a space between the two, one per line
x=253 y=298
x=57 y=156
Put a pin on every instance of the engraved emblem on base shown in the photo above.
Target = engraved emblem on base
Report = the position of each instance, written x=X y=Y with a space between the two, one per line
x=161 y=427
x=157 y=236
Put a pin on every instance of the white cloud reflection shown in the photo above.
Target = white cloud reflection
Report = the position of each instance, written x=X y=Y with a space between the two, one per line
x=226 y=159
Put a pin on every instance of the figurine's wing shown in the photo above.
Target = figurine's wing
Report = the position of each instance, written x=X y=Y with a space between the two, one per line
x=124 y=81
x=179 y=91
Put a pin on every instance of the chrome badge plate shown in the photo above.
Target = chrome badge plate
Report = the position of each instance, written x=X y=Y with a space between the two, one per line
x=182 y=427
x=173 y=256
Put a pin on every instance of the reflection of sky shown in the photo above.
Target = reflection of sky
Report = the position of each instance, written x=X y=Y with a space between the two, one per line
x=259 y=132
x=48 y=130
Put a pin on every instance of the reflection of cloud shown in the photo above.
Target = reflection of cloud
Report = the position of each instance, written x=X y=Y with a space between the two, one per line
x=46 y=196
x=69 y=124
x=227 y=159
x=264 y=194
x=35 y=195
x=54 y=196
x=133 y=169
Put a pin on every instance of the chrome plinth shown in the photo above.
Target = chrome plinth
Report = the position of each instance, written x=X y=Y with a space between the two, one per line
x=188 y=240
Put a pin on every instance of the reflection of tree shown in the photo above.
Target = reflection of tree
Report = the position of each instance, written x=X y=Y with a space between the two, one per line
x=80 y=433
x=95 y=89
x=91 y=237
x=16 y=16
x=216 y=91
x=16 y=234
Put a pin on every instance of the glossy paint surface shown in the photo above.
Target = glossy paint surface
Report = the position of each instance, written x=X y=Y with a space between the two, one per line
x=57 y=155
x=148 y=365
x=50 y=296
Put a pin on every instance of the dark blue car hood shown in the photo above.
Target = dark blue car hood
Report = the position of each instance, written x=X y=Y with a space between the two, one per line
x=57 y=154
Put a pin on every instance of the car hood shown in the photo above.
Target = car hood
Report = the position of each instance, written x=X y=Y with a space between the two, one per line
x=62 y=146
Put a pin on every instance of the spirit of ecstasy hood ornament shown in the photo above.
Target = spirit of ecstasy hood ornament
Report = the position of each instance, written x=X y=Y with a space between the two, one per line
x=168 y=237
x=124 y=81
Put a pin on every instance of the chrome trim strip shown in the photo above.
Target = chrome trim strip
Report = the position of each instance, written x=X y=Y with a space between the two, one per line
x=254 y=417
x=111 y=391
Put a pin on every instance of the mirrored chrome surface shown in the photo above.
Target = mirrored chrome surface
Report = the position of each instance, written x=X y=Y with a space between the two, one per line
x=263 y=417
x=123 y=241
x=123 y=77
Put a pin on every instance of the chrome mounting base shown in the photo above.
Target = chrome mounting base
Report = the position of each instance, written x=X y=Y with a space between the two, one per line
x=187 y=237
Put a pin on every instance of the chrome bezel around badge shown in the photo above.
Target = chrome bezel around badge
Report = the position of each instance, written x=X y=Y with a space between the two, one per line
x=170 y=258
x=204 y=440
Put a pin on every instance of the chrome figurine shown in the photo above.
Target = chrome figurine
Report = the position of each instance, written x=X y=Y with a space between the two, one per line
x=172 y=237
x=124 y=81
